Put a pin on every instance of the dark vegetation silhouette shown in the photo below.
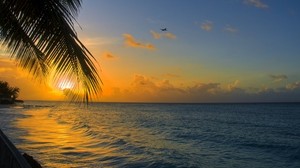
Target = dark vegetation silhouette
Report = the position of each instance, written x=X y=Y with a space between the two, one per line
x=8 y=94
x=40 y=36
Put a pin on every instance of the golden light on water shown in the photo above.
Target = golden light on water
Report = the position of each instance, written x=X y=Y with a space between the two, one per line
x=62 y=137
x=59 y=138
x=44 y=129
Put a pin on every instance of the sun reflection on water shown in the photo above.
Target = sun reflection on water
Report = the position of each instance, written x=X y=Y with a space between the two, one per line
x=66 y=145
x=97 y=137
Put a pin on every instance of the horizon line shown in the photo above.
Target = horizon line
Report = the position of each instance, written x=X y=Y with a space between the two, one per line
x=149 y=102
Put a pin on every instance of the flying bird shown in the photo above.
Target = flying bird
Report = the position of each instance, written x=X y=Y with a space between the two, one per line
x=164 y=29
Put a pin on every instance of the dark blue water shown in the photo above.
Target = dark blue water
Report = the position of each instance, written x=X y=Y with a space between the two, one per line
x=157 y=135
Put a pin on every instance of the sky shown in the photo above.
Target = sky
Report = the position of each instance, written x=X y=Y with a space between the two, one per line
x=212 y=51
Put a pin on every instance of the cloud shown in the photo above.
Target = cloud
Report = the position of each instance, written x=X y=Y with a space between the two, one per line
x=278 y=78
x=151 y=84
x=155 y=35
x=109 y=55
x=167 y=35
x=207 y=26
x=153 y=89
x=233 y=86
x=142 y=81
x=257 y=3
x=165 y=85
x=205 y=88
x=143 y=87
x=293 y=86
x=230 y=29
x=165 y=90
x=131 y=42
x=170 y=35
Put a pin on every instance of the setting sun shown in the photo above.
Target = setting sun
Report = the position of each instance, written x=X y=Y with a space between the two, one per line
x=66 y=84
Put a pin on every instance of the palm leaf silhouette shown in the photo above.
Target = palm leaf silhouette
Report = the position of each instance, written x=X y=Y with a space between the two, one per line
x=40 y=36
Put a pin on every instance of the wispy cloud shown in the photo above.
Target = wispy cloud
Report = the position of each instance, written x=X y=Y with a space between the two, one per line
x=293 y=86
x=130 y=41
x=207 y=26
x=257 y=3
x=108 y=55
x=149 y=85
x=278 y=78
x=167 y=35
x=155 y=35
x=234 y=85
x=230 y=29
x=205 y=88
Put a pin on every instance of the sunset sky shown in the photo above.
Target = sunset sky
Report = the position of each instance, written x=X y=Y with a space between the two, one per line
x=212 y=51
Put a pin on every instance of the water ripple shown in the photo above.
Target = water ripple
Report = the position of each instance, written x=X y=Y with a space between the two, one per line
x=157 y=135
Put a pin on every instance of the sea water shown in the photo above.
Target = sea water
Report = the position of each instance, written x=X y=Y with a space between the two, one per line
x=137 y=135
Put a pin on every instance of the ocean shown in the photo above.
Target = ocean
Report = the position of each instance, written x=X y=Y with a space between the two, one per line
x=141 y=135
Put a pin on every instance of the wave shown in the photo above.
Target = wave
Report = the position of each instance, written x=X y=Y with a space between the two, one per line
x=150 y=135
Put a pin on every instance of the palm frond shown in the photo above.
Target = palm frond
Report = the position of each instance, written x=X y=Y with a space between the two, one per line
x=40 y=35
x=19 y=44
